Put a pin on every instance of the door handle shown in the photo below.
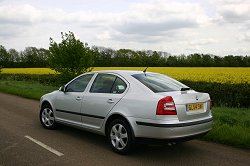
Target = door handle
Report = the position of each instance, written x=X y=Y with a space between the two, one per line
x=78 y=98
x=110 y=101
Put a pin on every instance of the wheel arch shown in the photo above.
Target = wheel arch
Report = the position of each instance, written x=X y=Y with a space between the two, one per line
x=46 y=102
x=117 y=116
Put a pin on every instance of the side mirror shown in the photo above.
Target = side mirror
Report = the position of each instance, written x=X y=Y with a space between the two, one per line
x=62 y=88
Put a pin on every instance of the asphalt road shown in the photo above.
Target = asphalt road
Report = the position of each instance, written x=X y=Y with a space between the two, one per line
x=19 y=122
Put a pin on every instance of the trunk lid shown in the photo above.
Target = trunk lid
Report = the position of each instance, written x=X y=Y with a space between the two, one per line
x=190 y=105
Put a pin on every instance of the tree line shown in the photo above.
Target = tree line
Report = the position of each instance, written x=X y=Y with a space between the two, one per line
x=30 y=57
x=107 y=57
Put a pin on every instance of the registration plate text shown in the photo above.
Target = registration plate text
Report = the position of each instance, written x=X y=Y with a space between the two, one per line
x=195 y=107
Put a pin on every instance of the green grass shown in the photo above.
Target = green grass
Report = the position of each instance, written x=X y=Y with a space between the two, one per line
x=27 y=89
x=231 y=125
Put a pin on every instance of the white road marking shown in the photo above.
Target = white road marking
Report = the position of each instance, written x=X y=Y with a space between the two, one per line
x=44 y=146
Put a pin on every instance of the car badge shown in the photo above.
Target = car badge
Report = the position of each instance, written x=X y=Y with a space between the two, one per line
x=196 y=97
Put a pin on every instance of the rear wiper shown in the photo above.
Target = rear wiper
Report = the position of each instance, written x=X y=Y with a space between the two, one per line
x=185 y=89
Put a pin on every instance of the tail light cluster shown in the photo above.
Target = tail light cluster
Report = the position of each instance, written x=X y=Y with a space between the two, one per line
x=166 y=106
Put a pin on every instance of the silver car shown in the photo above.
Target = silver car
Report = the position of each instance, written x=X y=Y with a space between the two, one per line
x=127 y=106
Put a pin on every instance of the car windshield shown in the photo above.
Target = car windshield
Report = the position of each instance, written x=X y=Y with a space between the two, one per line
x=160 y=83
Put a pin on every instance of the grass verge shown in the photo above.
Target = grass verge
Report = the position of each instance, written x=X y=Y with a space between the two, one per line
x=27 y=89
x=231 y=125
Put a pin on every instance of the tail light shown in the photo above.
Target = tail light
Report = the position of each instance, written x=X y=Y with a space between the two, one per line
x=166 y=106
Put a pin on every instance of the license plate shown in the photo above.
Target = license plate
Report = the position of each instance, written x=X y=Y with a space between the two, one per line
x=195 y=107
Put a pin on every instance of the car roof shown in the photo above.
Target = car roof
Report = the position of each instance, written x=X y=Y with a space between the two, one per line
x=122 y=72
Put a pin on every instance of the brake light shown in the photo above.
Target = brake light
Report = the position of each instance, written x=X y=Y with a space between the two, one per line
x=166 y=106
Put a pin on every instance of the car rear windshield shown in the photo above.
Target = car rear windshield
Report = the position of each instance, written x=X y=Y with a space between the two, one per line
x=159 y=83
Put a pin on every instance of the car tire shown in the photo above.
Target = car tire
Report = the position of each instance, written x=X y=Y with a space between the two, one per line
x=120 y=136
x=47 y=117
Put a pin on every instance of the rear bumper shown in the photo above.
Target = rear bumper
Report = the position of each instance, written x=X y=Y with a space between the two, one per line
x=167 y=130
x=156 y=141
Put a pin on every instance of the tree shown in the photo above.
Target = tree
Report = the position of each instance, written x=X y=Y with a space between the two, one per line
x=156 y=60
x=207 y=61
x=229 y=61
x=103 y=56
x=172 y=61
x=195 y=60
x=218 y=61
x=29 y=57
x=14 y=57
x=71 y=56
x=122 y=57
x=42 y=57
x=4 y=57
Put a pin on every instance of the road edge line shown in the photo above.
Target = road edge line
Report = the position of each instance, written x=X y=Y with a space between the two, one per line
x=44 y=146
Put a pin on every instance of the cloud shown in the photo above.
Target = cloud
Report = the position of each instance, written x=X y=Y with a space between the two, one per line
x=245 y=37
x=8 y=30
x=158 y=17
x=166 y=25
x=153 y=28
x=203 y=42
x=118 y=36
x=153 y=19
x=234 y=11
x=27 y=14
x=26 y=20
x=105 y=35
x=24 y=14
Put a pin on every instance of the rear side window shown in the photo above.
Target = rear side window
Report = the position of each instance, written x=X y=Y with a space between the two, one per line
x=108 y=83
x=119 y=86
x=159 y=83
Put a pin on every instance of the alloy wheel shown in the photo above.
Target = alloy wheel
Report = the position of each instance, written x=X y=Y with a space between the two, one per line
x=119 y=136
x=48 y=118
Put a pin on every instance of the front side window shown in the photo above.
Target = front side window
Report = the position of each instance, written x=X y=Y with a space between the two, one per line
x=79 y=84
x=107 y=83
x=159 y=83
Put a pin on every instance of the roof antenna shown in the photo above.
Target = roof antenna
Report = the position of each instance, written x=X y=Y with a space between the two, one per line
x=144 y=71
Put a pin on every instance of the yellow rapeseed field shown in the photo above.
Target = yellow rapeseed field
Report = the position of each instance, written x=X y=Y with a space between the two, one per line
x=207 y=74
x=27 y=71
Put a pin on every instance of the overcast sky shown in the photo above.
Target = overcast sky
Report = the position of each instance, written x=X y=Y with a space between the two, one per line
x=219 y=27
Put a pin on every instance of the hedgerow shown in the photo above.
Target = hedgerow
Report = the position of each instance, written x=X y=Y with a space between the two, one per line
x=222 y=94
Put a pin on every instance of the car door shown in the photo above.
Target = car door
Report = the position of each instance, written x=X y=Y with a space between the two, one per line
x=68 y=102
x=105 y=92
